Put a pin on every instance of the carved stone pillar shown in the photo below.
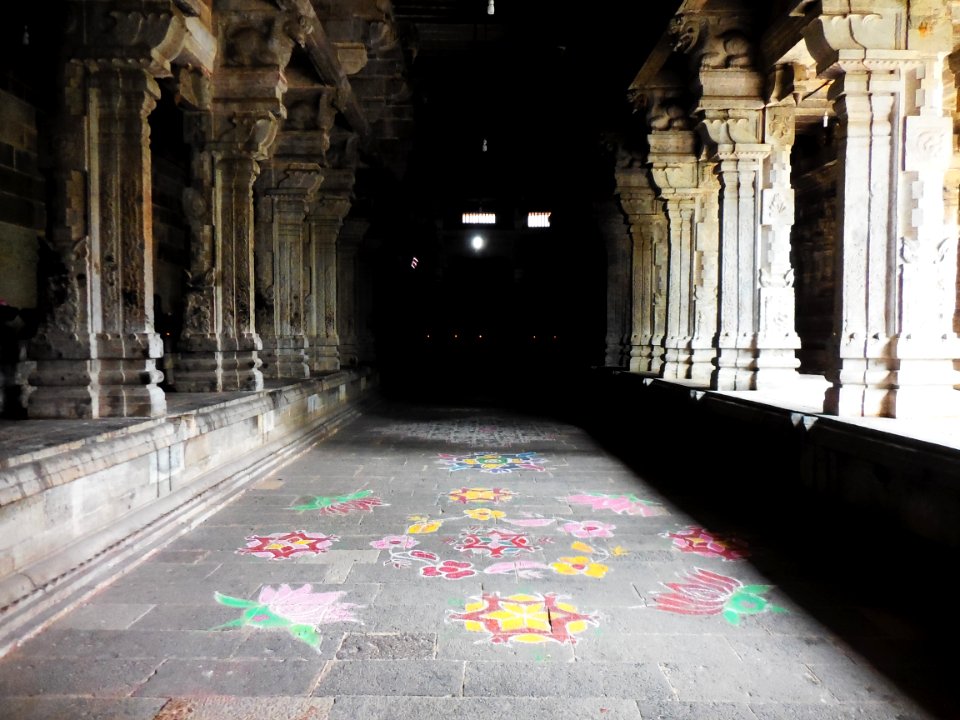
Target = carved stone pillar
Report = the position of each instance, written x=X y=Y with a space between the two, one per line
x=951 y=181
x=324 y=219
x=777 y=339
x=96 y=355
x=730 y=114
x=281 y=270
x=648 y=232
x=692 y=251
x=895 y=343
x=241 y=343
x=220 y=344
x=348 y=246
x=616 y=237
x=207 y=358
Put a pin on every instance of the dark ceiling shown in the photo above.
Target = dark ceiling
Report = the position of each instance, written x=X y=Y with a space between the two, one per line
x=540 y=81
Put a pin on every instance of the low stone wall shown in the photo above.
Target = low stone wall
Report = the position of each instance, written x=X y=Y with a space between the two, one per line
x=882 y=476
x=73 y=515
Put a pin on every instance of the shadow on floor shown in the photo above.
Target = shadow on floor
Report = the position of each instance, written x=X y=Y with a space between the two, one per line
x=884 y=592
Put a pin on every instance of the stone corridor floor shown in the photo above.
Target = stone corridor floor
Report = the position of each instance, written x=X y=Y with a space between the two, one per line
x=474 y=563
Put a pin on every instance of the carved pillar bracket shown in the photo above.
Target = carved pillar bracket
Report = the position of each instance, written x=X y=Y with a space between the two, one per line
x=324 y=220
x=282 y=278
x=647 y=223
x=96 y=356
x=894 y=341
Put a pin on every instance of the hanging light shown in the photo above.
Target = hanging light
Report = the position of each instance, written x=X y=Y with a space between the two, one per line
x=490 y=8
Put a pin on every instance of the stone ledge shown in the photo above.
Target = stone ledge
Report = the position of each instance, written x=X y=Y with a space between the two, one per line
x=148 y=483
x=903 y=474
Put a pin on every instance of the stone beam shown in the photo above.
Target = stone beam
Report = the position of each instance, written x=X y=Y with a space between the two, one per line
x=326 y=59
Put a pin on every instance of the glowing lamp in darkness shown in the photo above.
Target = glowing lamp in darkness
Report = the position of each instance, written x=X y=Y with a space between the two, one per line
x=477 y=243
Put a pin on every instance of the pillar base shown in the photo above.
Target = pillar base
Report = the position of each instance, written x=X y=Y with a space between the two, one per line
x=676 y=358
x=640 y=358
x=736 y=369
x=703 y=360
x=324 y=356
x=94 y=376
x=349 y=355
x=211 y=363
x=285 y=357
x=75 y=389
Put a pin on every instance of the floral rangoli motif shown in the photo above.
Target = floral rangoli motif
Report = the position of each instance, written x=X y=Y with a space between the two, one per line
x=430 y=564
x=524 y=618
x=423 y=525
x=449 y=569
x=480 y=494
x=390 y=542
x=579 y=565
x=621 y=503
x=493 y=462
x=703 y=542
x=298 y=611
x=280 y=546
x=361 y=501
x=494 y=543
x=588 y=529
x=709 y=593
x=484 y=514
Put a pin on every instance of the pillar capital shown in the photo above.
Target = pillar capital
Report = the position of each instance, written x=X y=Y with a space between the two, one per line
x=245 y=133
x=329 y=210
x=712 y=40
x=261 y=34
x=291 y=179
x=148 y=34
x=309 y=122
x=862 y=34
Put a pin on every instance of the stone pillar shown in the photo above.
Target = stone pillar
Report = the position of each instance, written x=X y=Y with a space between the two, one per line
x=348 y=246
x=729 y=111
x=281 y=271
x=706 y=252
x=241 y=343
x=219 y=348
x=616 y=237
x=951 y=182
x=692 y=254
x=199 y=361
x=648 y=232
x=324 y=219
x=96 y=355
x=777 y=339
x=895 y=343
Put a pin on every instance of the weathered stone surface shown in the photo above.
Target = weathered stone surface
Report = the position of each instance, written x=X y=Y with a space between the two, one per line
x=245 y=708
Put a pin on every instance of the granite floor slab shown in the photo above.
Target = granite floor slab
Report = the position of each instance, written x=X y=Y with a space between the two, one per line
x=471 y=562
